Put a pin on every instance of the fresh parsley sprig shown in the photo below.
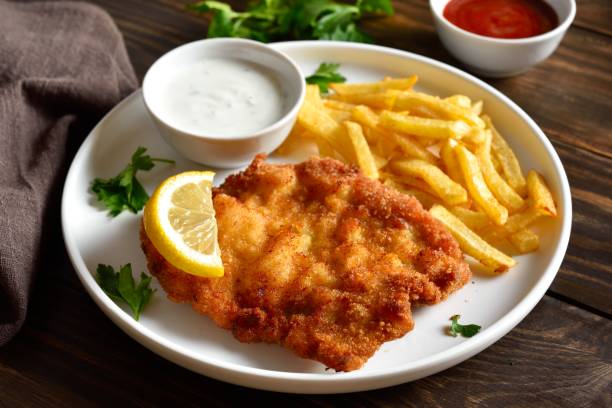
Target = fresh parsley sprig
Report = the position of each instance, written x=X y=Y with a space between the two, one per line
x=273 y=20
x=467 y=330
x=324 y=75
x=120 y=287
x=124 y=191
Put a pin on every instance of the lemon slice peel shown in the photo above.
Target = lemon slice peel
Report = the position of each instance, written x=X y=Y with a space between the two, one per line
x=179 y=219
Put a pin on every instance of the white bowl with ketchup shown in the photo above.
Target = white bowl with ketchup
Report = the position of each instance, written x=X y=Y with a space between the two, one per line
x=502 y=38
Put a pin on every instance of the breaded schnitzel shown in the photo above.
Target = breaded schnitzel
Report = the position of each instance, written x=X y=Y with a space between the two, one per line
x=319 y=259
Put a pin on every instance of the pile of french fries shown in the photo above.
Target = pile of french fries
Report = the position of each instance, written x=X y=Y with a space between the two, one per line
x=444 y=152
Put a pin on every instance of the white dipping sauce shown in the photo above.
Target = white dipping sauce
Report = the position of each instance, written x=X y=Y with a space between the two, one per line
x=223 y=97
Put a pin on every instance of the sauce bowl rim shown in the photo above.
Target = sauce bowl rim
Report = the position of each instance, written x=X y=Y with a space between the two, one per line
x=295 y=103
x=559 y=29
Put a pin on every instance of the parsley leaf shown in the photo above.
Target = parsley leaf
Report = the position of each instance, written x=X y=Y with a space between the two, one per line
x=274 y=20
x=120 y=287
x=348 y=33
x=124 y=191
x=326 y=74
x=467 y=330
x=375 y=6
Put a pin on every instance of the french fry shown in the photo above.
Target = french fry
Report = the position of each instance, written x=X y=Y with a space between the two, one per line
x=475 y=137
x=427 y=200
x=313 y=96
x=365 y=161
x=381 y=100
x=477 y=107
x=496 y=164
x=380 y=161
x=449 y=191
x=368 y=119
x=525 y=241
x=326 y=150
x=413 y=149
x=523 y=219
x=293 y=140
x=509 y=163
x=498 y=186
x=339 y=116
x=460 y=100
x=316 y=120
x=425 y=142
x=424 y=112
x=365 y=116
x=369 y=133
x=385 y=144
x=412 y=182
x=338 y=105
x=319 y=123
x=449 y=159
x=408 y=100
x=422 y=127
x=515 y=223
x=539 y=193
x=477 y=186
x=386 y=84
x=474 y=220
x=471 y=243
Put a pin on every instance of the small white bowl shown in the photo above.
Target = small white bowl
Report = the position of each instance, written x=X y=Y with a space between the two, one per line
x=228 y=151
x=497 y=57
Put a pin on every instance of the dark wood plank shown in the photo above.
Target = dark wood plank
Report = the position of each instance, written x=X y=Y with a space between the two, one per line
x=151 y=28
x=570 y=94
x=595 y=15
x=586 y=273
x=18 y=390
x=69 y=353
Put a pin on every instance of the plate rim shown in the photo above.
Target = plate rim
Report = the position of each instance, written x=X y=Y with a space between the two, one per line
x=339 y=382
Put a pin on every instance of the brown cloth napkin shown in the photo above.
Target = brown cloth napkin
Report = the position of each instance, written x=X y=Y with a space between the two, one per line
x=62 y=66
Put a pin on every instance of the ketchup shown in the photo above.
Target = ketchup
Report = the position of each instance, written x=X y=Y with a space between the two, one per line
x=502 y=18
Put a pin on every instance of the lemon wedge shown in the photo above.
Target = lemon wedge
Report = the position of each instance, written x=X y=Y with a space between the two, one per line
x=179 y=219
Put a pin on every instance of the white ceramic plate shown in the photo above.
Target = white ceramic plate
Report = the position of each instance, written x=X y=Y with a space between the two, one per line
x=193 y=341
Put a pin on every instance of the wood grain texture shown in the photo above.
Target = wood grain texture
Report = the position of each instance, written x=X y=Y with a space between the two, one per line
x=570 y=94
x=70 y=354
x=594 y=15
x=586 y=272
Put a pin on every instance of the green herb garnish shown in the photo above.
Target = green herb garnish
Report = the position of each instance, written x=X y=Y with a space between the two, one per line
x=467 y=330
x=120 y=287
x=325 y=75
x=124 y=192
x=274 y=20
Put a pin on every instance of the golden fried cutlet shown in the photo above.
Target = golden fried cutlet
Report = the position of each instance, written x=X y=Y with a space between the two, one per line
x=319 y=259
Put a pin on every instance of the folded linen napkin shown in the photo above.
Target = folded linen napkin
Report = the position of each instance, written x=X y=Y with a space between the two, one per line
x=62 y=66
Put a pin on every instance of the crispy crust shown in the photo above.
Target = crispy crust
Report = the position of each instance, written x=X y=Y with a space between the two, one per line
x=319 y=259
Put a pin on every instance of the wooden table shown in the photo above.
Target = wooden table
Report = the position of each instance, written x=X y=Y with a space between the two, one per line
x=70 y=354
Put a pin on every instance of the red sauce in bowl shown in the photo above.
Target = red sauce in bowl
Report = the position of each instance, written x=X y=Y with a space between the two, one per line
x=502 y=18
